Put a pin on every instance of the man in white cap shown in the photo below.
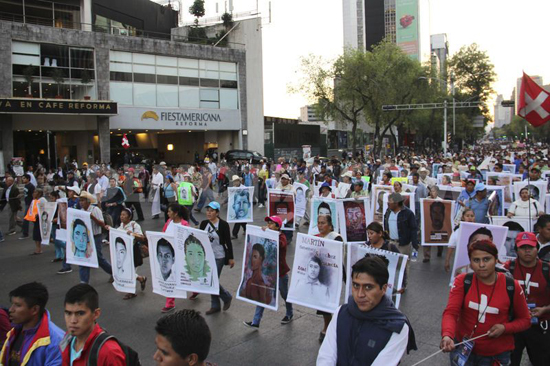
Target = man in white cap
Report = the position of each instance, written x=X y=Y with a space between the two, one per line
x=425 y=178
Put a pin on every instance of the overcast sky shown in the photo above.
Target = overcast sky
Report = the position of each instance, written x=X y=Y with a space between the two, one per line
x=513 y=32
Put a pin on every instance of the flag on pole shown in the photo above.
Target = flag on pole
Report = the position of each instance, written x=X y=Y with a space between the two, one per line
x=534 y=102
x=125 y=142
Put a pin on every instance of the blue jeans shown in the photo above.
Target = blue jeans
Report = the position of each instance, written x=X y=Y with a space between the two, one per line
x=476 y=360
x=106 y=266
x=59 y=245
x=206 y=193
x=224 y=294
x=283 y=289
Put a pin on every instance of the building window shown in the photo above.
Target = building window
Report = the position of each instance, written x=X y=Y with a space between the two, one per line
x=165 y=81
x=58 y=71
x=47 y=13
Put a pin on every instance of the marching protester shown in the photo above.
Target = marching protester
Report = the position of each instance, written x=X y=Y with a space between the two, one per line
x=236 y=180
x=113 y=203
x=274 y=223
x=28 y=191
x=369 y=318
x=84 y=334
x=183 y=338
x=468 y=215
x=10 y=197
x=480 y=204
x=34 y=339
x=534 y=277
x=479 y=311
x=132 y=188
x=220 y=239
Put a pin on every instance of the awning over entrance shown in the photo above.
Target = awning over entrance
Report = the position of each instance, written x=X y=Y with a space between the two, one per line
x=58 y=106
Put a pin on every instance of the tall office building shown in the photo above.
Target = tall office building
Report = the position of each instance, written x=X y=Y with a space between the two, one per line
x=440 y=51
x=503 y=115
x=405 y=22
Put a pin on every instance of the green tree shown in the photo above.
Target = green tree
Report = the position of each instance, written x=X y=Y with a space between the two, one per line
x=197 y=10
x=356 y=86
x=515 y=130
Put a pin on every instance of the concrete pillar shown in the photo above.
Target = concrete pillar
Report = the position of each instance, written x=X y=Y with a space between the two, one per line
x=102 y=72
x=6 y=147
x=104 y=136
x=86 y=14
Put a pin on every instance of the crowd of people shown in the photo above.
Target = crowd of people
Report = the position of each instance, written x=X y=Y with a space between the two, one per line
x=495 y=310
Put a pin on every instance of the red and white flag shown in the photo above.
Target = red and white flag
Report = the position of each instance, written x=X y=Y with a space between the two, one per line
x=534 y=102
x=125 y=142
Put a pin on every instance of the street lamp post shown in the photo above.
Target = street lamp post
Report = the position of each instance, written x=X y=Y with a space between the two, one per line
x=445 y=128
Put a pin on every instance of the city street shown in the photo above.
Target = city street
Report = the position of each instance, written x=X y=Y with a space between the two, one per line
x=297 y=343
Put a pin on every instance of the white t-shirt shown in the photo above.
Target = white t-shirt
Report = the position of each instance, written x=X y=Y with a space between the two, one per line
x=217 y=248
x=453 y=240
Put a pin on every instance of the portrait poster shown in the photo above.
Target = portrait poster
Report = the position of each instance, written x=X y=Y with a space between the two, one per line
x=260 y=273
x=271 y=183
x=301 y=198
x=407 y=199
x=396 y=267
x=353 y=219
x=515 y=226
x=195 y=264
x=436 y=221
x=323 y=206
x=435 y=169
x=509 y=168
x=45 y=215
x=281 y=203
x=316 y=280
x=342 y=190
x=62 y=206
x=495 y=194
x=377 y=201
x=536 y=188
x=409 y=188
x=80 y=239
x=121 y=247
x=162 y=255
x=449 y=193
x=445 y=178
x=469 y=233
x=504 y=180
x=239 y=204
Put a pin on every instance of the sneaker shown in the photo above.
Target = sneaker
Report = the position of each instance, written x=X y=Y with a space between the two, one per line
x=167 y=310
x=261 y=206
x=287 y=319
x=64 y=271
x=250 y=325
x=22 y=237
x=12 y=233
x=2 y=239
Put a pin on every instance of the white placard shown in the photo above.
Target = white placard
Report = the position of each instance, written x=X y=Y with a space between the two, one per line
x=239 y=204
x=323 y=206
x=46 y=214
x=162 y=258
x=80 y=239
x=436 y=221
x=301 y=198
x=121 y=248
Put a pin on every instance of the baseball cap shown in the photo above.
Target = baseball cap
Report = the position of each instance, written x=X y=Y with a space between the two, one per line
x=235 y=177
x=275 y=219
x=131 y=170
x=75 y=189
x=480 y=187
x=285 y=176
x=526 y=238
x=214 y=205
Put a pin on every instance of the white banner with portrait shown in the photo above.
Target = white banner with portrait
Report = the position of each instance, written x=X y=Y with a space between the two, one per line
x=316 y=280
x=469 y=233
x=195 y=263
x=353 y=219
x=436 y=221
x=260 y=272
x=162 y=256
x=239 y=204
x=537 y=190
x=515 y=225
x=323 y=206
x=408 y=201
x=377 y=201
x=504 y=180
x=80 y=239
x=61 y=232
x=281 y=204
x=46 y=213
x=301 y=198
x=121 y=247
x=396 y=267
x=155 y=206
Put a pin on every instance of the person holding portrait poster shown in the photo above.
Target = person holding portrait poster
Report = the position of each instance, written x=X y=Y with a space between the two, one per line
x=259 y=280
x=33 y=216
x=320 y=207
x=281 y=204
x=470 y=233
x=274 y=223
x=317 y=273
x=195 y=265
x=46 y=213
x=368 y=330
x=354 y=214
x=239 y=208
x=525 y=204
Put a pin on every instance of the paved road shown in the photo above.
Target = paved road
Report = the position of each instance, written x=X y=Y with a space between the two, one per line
x=233 y=344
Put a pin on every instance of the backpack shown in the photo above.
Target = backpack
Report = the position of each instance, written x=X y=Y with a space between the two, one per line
x=545 y=271
x=510 y=288
x=132 y=357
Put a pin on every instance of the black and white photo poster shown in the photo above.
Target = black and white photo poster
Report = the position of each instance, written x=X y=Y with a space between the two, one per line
x=46 y=214
x=121 y=247
x=162 y=254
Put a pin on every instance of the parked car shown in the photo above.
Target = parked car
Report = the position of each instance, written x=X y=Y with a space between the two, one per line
x=252 y=156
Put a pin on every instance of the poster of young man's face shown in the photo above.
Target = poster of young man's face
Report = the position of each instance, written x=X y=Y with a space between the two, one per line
x=62 y=213
x=437 y=221
x=320 y=207
x=356 y=222
x=239 y=208
x=281 y=204
x=515 y=226
x=165 y=259
x=378 y=193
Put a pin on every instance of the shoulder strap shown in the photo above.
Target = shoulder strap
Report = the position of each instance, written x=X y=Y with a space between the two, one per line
x=510 y=288
x=96 y=347
x=546 y=273
x=512 y=267
x=468 y=282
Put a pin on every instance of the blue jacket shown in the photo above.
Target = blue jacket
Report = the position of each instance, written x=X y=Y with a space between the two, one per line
x=40 y=350
x=406 y=227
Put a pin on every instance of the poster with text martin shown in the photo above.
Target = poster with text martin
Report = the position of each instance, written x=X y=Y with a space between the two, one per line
x=316 y=280
x=121 y=247
x=80 y=239
x=195 y=264
x=46 y=213
x=396 y=267
x=162 y=256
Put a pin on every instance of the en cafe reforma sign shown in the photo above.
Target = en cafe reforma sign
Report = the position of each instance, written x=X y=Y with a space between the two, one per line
x=58 y=106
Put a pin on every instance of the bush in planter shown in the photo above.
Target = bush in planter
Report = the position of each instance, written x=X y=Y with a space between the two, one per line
x=59 y=78
x=28 y=73
x=85 y=80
